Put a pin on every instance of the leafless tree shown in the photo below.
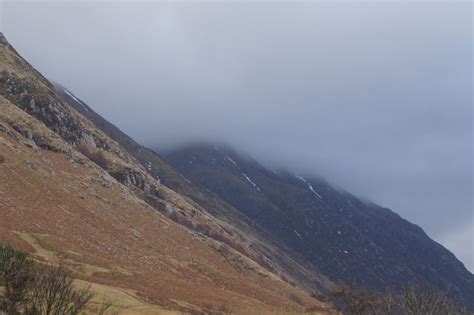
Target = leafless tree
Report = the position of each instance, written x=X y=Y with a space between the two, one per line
x=411 y=300
x=16 y=276
x=420 y=300
x=349 y=300
x=53 y=293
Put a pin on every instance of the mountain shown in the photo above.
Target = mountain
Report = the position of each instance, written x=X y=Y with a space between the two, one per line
x=69 y=191
x=347 y=239
x=252 y=242
x=202 y=229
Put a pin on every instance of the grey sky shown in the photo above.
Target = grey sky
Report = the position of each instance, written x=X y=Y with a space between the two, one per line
x=376 y=96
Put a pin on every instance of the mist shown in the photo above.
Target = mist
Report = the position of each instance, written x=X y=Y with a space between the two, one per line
x=374 y=96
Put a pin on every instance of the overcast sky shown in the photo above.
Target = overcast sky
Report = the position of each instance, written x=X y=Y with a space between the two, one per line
x=375 y=96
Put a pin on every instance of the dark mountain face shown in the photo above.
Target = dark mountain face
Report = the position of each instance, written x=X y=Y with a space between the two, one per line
x=348 y=240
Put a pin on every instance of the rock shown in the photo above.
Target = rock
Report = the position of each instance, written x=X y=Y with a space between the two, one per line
x=32 y=164
x=42 y=142
x=32 y=104
x=88 y=139
x=106 y=182
x=129 y=178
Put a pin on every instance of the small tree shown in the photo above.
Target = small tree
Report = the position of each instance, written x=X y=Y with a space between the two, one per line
x=16 y=276
x=420 y=300
x=37 y=289
x=411 y=300
x=349 y=300
x=53 y=293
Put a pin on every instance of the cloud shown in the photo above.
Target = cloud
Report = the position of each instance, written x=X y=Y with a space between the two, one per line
x=377 y=97
x=461 y=241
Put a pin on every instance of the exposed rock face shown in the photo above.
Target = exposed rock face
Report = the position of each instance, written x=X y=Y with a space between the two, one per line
x=347 y=239
x=131 y=178
x=3 y=40
x=41 y=105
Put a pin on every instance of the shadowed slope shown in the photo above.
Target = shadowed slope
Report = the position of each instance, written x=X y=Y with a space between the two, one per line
x=349 y=240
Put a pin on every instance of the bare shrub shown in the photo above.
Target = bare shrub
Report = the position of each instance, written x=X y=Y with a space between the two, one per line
x=221 y=309
x=224 y=309
x=106 y=308
x=419 y=300
x=296 y=299
x=265 y=264
x=349 y=300
x=37 y=290
x=315 y=309
x=16 y=276
x=2 y=159
x=411 y=300
x=95 y=155
x=53 y=293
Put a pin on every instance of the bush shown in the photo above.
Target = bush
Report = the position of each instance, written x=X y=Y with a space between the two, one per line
x=411 y=300
x=16 y=276
x=420 y=300
x=350 y=300
x=53 y=293
x=38 y=290
x=95 y=155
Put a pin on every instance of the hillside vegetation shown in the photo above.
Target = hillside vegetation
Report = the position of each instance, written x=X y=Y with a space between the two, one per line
x=114 y=224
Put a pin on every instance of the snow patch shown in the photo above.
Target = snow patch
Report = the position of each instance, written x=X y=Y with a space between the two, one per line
x=251 y=182
x=309 y=186
x=298 y=234
x=76 y=100
x=314 y=191
x=232 y=161
x=301 y=179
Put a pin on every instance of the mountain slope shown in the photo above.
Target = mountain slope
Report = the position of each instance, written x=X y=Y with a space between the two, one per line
x=70 y=192
x=348 y=240
x=258 y=244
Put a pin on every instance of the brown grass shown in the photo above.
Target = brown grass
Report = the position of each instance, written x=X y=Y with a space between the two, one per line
x=64 y=208
x=95 y=155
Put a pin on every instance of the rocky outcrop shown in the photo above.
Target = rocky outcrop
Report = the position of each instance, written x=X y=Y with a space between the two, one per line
x=135 y=178
x=42 y=105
